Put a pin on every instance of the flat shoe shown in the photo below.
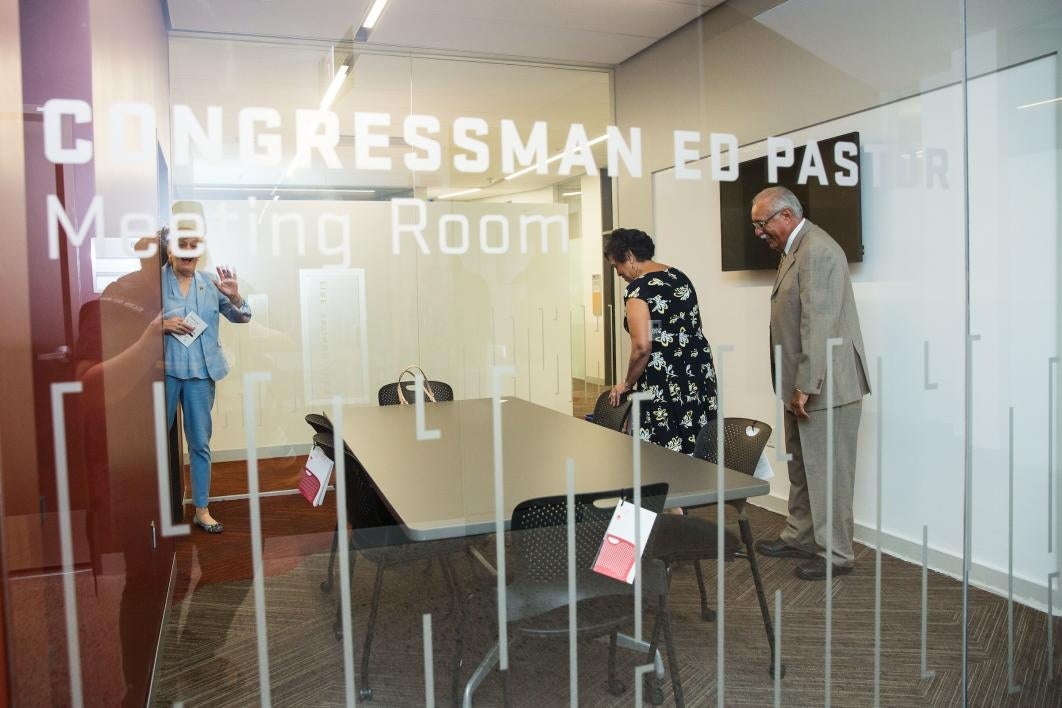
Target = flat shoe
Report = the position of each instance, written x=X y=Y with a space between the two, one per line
x=209 y=528
x=816 y=570
x=780 y=549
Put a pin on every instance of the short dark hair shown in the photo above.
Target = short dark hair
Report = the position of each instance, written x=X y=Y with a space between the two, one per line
x=619 y=241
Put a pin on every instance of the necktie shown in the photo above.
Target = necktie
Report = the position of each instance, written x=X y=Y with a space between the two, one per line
x=781 y=261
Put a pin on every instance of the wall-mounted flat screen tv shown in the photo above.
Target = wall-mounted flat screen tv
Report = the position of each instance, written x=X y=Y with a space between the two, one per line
x=833 y=207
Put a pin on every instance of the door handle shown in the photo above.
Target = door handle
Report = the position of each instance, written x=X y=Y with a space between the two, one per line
x=62 y=353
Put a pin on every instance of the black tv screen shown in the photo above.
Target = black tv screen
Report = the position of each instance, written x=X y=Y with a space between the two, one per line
x=833 y=207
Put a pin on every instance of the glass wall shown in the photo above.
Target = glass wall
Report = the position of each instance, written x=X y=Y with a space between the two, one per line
x=354 y=252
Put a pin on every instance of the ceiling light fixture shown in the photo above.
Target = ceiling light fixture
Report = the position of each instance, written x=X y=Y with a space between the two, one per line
x=1041 y=103
x=333 y=88
x=459 y=194
x=556 y=157
x=367 y=25
x=374 y=14
x=570 y=194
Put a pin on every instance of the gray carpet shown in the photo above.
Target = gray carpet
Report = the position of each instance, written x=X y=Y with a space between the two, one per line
x=209 y=646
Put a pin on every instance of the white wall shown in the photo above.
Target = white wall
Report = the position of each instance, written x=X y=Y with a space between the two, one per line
x=433 y=310
x=910 y=289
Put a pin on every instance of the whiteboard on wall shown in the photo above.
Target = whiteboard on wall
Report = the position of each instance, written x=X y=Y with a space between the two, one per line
x=335 y=344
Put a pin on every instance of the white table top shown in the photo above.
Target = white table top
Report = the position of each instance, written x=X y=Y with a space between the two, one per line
x=445 y=488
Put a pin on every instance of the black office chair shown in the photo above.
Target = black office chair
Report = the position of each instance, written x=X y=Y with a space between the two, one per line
x=319 y=422
x=539 y=582
x=322 y=424
x=687 y=538
x=610 y=416
x=377 y=536
x=388 y=393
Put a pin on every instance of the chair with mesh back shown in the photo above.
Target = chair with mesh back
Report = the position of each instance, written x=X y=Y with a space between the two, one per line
x=388 y=394
x=610 y=416
x=379 y=538
x=322 y=424
x=319 y=422
x=537 y=596
x=688 y=538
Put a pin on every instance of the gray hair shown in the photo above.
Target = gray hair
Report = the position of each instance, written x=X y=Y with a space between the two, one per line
x=779 y=198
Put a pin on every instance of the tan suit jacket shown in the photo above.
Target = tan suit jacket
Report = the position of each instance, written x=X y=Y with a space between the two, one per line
x=812 y=301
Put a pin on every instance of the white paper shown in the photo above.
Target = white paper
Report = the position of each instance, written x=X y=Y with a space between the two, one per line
x=199 y=326
x=763 y=467
x=616 y=557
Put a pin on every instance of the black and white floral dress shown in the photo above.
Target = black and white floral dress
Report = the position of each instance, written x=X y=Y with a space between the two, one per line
x=680 y=373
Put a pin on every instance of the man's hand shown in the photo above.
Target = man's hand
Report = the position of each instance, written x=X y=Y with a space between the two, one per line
x=616 y=394
x=228 y=285
x=797 y=403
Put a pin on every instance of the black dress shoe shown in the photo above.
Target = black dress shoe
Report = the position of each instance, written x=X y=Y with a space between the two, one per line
x=816 y=570
x=781 y=549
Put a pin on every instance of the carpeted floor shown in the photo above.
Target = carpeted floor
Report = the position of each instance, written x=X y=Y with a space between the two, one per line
x=209 y=646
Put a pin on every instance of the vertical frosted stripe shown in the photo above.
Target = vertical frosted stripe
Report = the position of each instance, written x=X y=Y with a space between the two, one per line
x=66 y=538
x=720 y=571
x=928 y=386
x=422 y=431
x=926 y=674
x=779 y=407
x=877 y=543
x=162 y=463
x=429 y=663
x=1011 y=687
x=573 y=650
x=830 y=344
x=636 y=452
x=343 y=549
x=777 y=648
x=499 y=513
x=249 y=410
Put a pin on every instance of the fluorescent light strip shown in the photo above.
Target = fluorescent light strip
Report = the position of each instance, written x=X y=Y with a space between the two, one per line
x=570 y=194
x=1041 y=103
x=374 y=14
x=288 y=189
x=333 y=88
x=459 y=194
x=556 y=157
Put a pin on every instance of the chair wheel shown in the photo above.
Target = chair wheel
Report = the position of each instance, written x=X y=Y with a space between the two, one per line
x=365 y=693
x=616 y=688
x=326 y=586
x=708 y=614
x=770 y=670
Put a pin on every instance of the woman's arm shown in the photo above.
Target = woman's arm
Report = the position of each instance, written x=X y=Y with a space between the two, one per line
x=231 y=304
x=641 y=346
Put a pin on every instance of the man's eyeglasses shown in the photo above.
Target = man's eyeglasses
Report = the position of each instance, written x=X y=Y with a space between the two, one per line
x=762 y=224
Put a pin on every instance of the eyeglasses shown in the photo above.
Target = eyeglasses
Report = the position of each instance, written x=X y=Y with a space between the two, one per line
x=763 y=224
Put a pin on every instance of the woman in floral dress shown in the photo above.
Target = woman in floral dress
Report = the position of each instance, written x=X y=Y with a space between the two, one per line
x=670 y=356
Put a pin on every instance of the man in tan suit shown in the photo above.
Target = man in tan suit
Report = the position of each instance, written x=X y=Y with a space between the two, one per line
x=812 y=302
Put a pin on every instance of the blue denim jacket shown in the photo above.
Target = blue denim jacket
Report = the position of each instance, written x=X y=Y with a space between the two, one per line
x=188 y=362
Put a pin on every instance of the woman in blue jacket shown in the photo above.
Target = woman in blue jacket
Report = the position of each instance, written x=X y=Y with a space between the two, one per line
x=194 y=365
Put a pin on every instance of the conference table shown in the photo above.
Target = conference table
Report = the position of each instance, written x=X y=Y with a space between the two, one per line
x=444 y=488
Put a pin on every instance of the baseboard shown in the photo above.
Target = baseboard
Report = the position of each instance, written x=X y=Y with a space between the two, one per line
x=1026 y=591
x=264 y=453
x=153 y=684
